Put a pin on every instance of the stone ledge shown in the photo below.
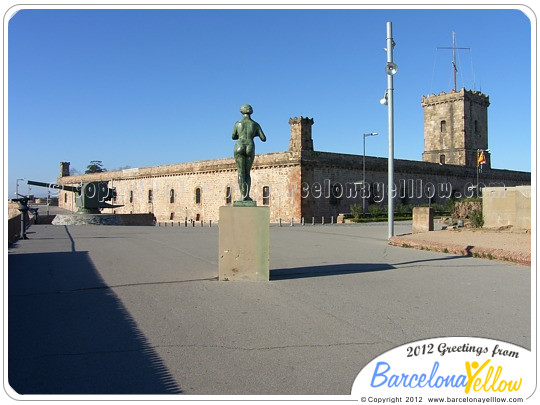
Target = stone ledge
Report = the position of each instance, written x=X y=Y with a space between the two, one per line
x=462 y=250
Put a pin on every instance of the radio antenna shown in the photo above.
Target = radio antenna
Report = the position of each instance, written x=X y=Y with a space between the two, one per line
x=454 y=48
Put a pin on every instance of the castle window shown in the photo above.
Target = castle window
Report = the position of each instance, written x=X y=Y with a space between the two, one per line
x=172 y=196
x=336 y=193
x=131 y=196
x=442 y=159
x=150 y=196
x=443 y=126
x=198 y=217
x=65 y=197
x=198 y=195
x=476 y=127
x=228 y=195
x=114 y=195
x=172 y=216
x=266 y=195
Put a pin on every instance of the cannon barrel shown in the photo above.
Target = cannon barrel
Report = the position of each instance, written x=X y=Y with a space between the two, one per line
x=54 y=186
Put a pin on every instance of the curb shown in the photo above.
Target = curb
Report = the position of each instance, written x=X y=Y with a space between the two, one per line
x=463 y=250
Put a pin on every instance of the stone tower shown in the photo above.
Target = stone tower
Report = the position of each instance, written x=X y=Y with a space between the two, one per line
x=301 y=139
x=64 y=169
x=455 y=127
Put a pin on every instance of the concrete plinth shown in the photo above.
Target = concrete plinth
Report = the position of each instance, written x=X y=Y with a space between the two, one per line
x=244 y=243
x=422 y=219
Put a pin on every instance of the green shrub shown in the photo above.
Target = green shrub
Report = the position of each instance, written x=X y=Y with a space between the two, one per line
x=449 y=205
x=376 y=210
x=438 y=209
x=403 y=210
x=357 y=211
x=477 y=219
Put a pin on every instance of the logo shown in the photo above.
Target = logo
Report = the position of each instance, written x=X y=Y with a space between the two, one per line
x=456 y=367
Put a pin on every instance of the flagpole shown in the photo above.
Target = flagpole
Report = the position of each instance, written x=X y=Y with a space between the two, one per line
x=480 y=160
x=477 y=175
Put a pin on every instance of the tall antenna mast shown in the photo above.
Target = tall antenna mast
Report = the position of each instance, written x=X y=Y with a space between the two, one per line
x=454 y=63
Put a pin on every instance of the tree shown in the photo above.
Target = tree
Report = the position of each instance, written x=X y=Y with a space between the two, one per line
x=95 y=166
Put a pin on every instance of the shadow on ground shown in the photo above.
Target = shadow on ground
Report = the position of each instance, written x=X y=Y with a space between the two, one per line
x=347 y=268
x=70 y=334
x=327 y=270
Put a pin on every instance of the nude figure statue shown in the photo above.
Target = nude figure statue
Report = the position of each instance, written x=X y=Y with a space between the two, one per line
x=244 y=132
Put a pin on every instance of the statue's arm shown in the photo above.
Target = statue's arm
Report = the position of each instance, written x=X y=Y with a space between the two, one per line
x=235 y=132
x=261 y=134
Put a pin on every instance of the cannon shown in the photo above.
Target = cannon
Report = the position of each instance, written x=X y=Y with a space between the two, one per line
x=23 y=209
x=90 y=198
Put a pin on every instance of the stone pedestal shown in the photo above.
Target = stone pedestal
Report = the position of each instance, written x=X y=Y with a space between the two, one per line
x=244 y=243
x=422 y=219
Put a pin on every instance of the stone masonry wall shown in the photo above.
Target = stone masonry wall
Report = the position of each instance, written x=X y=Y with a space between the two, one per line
x=464 y=131
x=278 y=171
x=414 y=182
x=295 y=191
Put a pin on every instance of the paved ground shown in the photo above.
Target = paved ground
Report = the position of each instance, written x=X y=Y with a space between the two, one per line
x=139 y=310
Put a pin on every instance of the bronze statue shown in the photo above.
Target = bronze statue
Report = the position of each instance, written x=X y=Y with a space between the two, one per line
x=244 y=150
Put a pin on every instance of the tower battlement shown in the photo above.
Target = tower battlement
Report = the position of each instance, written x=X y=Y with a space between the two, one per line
x=455 y=127
x=301 y=138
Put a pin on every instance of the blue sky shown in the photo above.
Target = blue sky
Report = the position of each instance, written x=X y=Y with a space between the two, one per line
x=149 y=87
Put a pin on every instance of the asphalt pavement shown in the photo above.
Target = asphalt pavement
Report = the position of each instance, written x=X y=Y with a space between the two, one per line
x=139 y=310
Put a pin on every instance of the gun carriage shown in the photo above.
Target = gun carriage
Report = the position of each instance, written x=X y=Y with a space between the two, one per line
x=90 y=198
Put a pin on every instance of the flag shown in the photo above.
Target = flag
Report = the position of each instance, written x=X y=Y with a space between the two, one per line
x=481 y=160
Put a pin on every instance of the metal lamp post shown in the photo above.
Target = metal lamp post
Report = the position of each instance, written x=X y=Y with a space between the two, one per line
x=17 y=186
x=388 y=99
x=364 y=173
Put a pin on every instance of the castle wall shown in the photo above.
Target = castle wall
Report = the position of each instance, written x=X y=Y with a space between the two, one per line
x=298 y=188
x=414 y=182
x=278 y=171
x=304 y=183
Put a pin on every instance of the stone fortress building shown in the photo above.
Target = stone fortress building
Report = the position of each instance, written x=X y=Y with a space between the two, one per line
x=304 y=183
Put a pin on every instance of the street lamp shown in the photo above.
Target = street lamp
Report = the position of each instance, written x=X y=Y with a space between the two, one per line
x=388 y=100
x=17 y=186
x=364 y=173
x=478 y=169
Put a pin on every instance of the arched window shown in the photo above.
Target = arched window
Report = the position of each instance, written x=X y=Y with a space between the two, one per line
x=198 y=195
x=266 y=195
x=336 y=193
x=228 y=195
x=150 y=196
x=443 y=126
x=476 y=127
x=131 y=196
x=442 y=159
x=172 y=196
